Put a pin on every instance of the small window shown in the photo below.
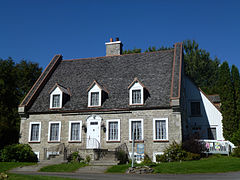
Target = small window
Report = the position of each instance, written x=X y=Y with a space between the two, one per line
x=136 y=96
x=34 y=131
x=136 y=129
x=160 y=129
x=195 y=109
x=113 y=130
x=75 y=131
x=212 y=133
x=56 y=101
x=94 y=98
x=54 y=131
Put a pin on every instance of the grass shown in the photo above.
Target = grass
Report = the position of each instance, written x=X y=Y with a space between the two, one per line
x=206 y=165
x=64 y=167
x=5 y=166
x=35 y=177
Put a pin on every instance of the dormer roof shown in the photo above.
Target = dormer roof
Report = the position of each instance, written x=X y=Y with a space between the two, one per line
x=63 y=89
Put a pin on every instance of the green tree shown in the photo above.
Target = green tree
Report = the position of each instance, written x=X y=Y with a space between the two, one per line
x=228 y=110
x=27 y=73
x=15 y=81
x=200 y=67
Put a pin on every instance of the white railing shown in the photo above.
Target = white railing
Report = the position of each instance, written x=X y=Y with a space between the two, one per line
x=92 y=143
x=217 y=146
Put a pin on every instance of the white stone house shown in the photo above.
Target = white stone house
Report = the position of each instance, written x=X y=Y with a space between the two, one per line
x=93 y=104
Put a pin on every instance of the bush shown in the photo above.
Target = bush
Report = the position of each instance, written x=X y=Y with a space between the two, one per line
x=236 y=152
x=122 y=157
x=88 y=159
x=74 y=157
x=18 y=153
x=175 y=152
x=194 y=146
x=236 y=138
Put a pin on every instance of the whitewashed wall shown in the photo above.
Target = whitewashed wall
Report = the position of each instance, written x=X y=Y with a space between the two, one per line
x=210 y=117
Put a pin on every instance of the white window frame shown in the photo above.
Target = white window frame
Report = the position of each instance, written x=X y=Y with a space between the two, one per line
x=30 y=131
x=95 y=89
x=70 y=131
x=155 y=154
x=107 y=131
x=57 y=91
x=49 y=129
x=154 y=129
x=130 y=129
x=136 y=86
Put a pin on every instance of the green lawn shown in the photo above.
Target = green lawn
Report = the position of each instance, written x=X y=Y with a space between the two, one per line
x=30 y=177
x=5 y=166
x=207 y=165
x=65 y=167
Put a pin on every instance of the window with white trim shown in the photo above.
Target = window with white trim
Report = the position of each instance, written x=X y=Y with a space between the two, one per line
x=34 y=131
x=54 y=131
x=113 y=130
x=136 y=129
x=160 y=129
x=94 y=96
x=75 y=130
x=136 y=94
x=56 y=98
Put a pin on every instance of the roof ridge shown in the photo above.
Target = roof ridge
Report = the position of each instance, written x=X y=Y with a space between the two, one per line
x=116 y=55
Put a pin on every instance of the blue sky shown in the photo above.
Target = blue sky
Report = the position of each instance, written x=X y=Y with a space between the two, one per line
x=37 y=30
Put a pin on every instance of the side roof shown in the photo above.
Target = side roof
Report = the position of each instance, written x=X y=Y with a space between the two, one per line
x=159 y=71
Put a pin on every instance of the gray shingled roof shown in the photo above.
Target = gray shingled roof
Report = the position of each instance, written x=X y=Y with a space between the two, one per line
x=115 y=73
x=214 y=98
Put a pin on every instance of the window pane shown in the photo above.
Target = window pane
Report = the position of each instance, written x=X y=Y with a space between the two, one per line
x=75 y=131
x=195 y=108
x=137 y=129
x=160 y=129
x=136 y=96
x=94 y=98
x=56 y=101
x=212 y=134
x=34 y=132
x=113 y=131
x=54 y=132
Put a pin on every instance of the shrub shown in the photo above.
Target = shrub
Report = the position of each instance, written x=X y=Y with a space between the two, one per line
x=122 y=157
x=193 y=145
x=236 y=152
x=18 y=153
x=74 y=157
x=175 y=152
x=236 y=138
x=88 y=159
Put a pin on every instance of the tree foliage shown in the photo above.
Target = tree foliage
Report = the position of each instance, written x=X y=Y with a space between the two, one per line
x=15 y=81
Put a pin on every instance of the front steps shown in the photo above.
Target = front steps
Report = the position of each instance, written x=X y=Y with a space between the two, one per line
x=108 y=158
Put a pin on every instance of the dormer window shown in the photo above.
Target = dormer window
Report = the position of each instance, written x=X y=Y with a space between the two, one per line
x=56 y=101
x=96 y=94
x=136 y=93
x=58 y=96
x=94 y=99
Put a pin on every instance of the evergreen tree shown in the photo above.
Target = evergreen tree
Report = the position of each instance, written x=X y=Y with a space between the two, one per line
x=228 y=110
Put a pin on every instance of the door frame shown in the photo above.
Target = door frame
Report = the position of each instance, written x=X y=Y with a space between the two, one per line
x=94 y=118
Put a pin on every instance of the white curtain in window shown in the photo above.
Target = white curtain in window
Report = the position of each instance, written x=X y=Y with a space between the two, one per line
x=54 y=132
x=35 y=132
x=136 y=97
x=56 y=100
x=94 y=99
x=137 y=128
x=113 y=131
x=160 y=129
x=75 y=131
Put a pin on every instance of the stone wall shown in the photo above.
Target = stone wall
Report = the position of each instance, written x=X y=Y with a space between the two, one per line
x=174 y=129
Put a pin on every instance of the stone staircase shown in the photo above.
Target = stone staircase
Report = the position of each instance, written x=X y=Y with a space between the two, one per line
x=108 y=158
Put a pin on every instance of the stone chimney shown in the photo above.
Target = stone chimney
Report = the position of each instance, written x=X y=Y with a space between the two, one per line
x=113 y=47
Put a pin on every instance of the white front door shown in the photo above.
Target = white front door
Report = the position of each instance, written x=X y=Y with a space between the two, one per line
x=93 y=133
